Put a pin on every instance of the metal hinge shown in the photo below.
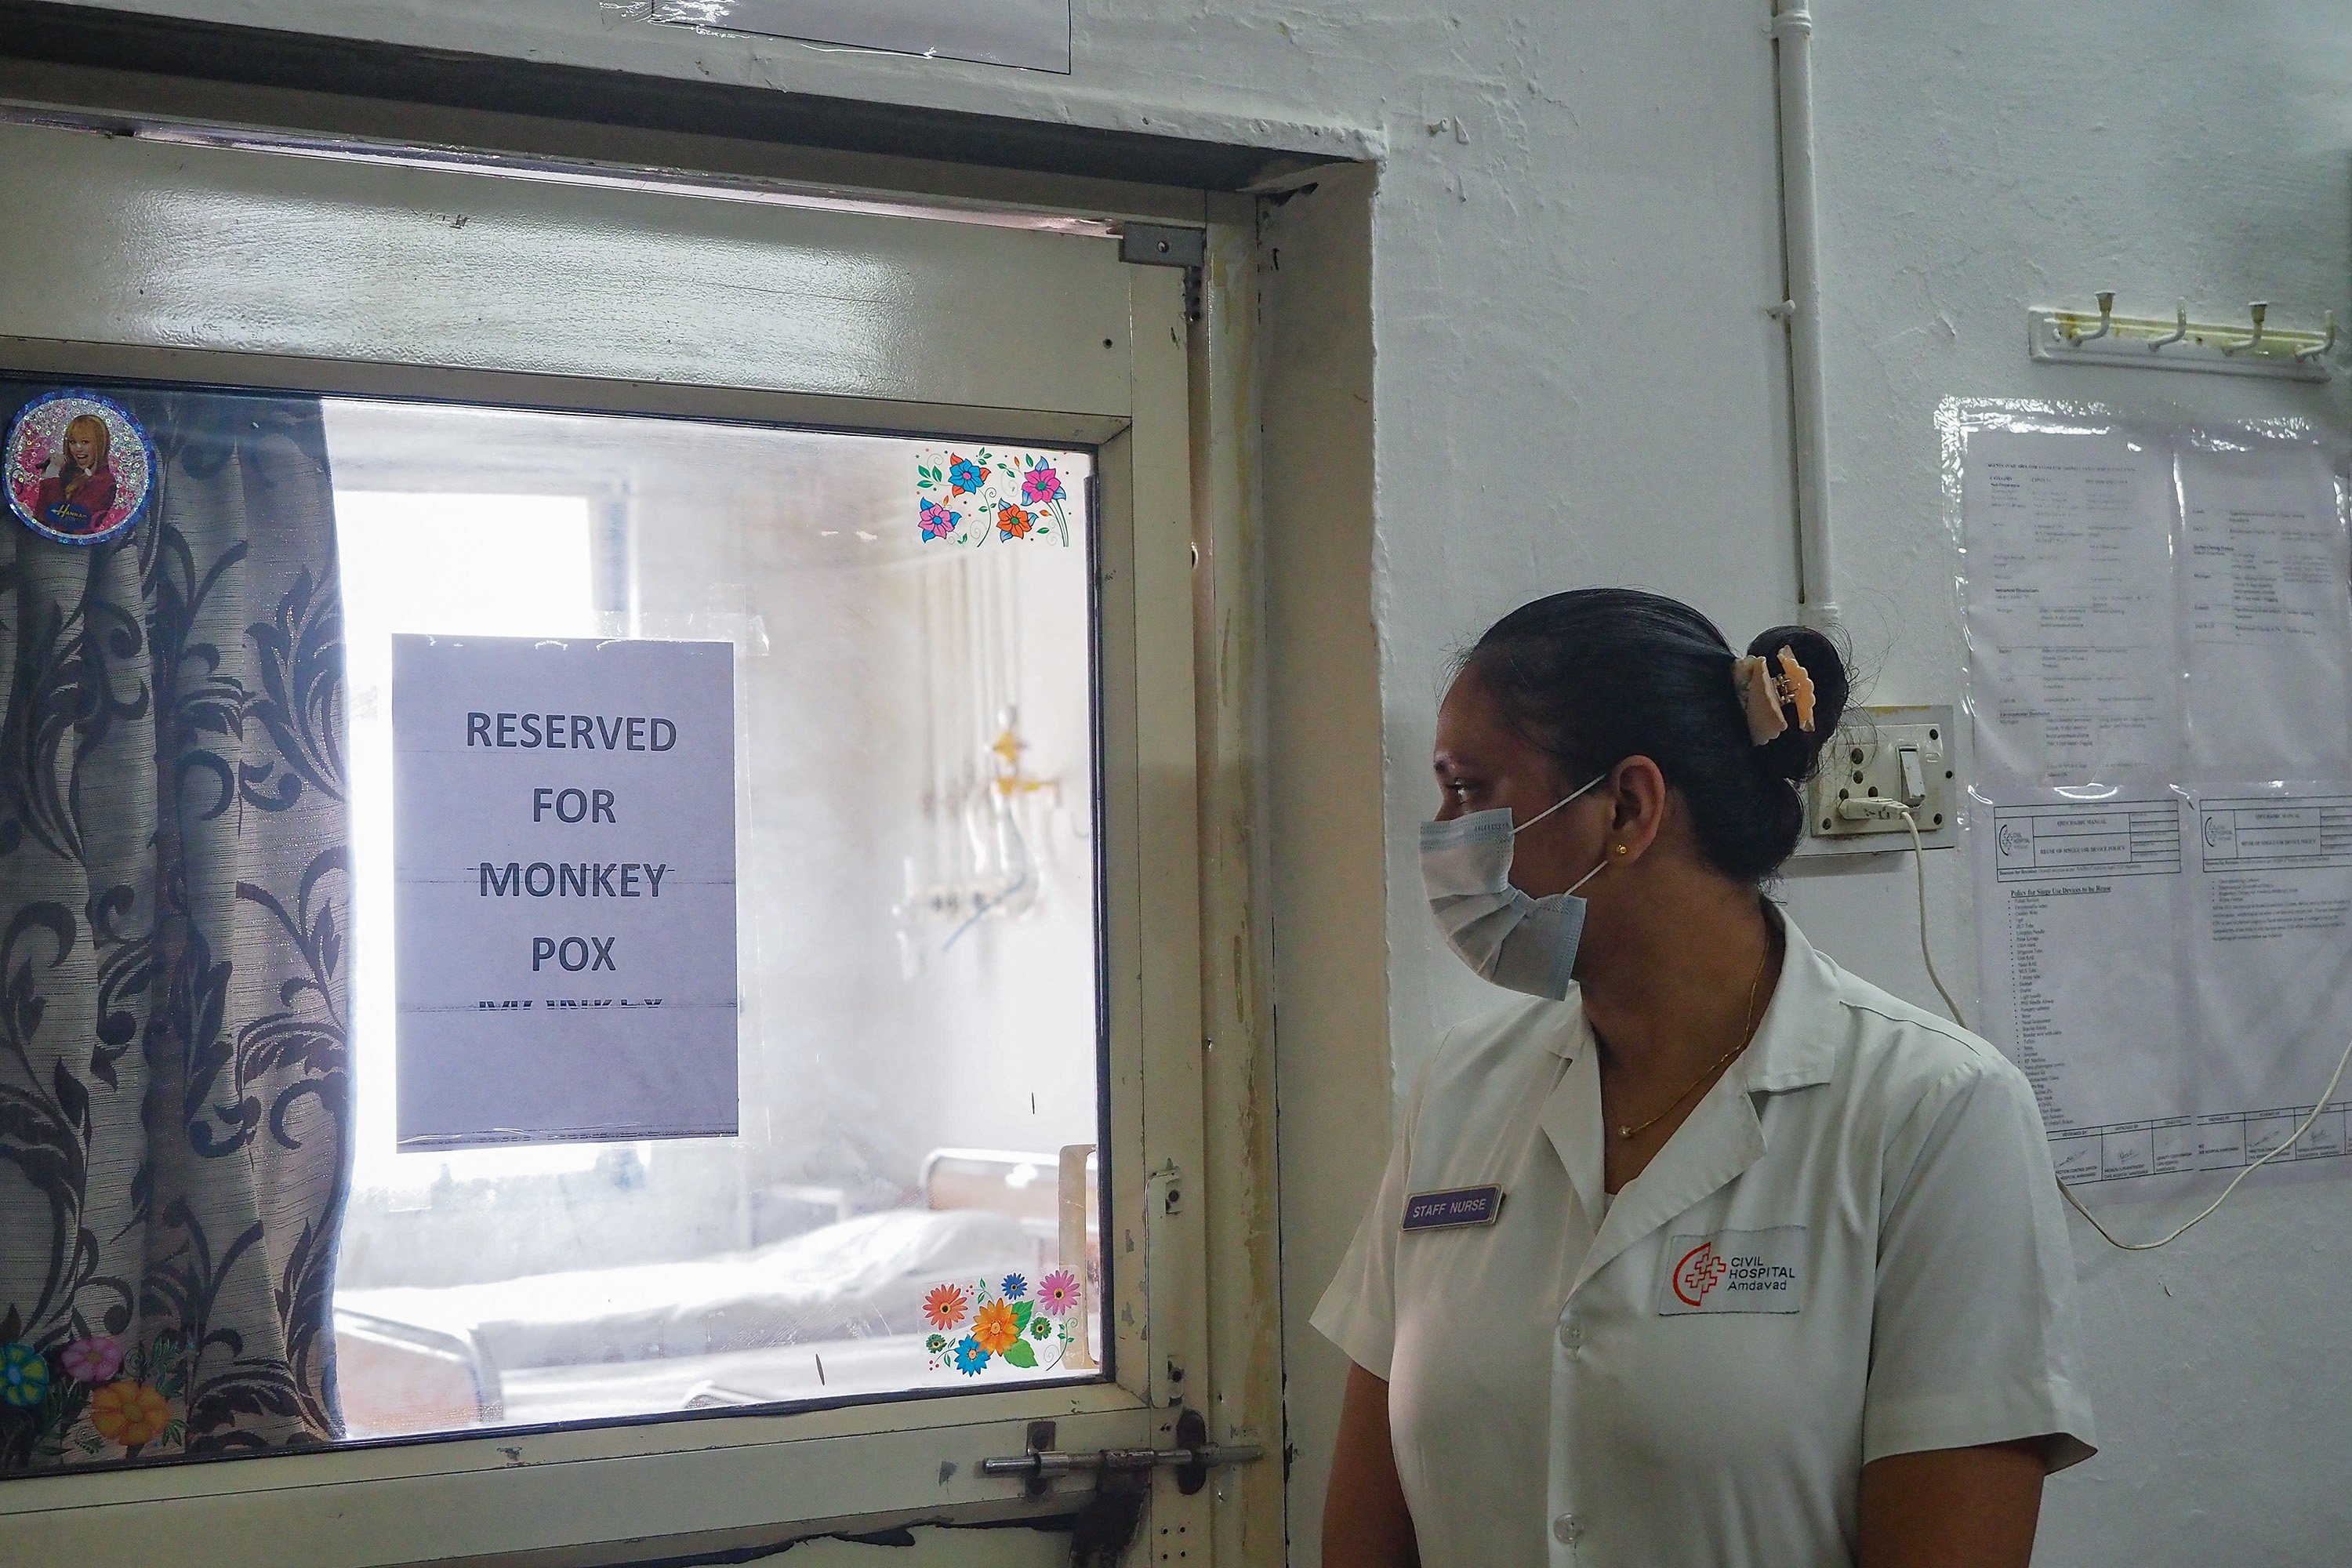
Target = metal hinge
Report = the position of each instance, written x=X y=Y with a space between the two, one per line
x=1163 y=244
x=1100 y=1533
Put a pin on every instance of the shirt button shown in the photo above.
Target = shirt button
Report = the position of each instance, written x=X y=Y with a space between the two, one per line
x=1571 y=1333
x=1568 y=1528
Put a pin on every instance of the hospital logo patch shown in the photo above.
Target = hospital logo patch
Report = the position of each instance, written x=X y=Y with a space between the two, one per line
x=1734 y=1271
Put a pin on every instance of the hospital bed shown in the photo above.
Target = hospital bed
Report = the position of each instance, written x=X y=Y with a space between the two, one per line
x=835 y=1311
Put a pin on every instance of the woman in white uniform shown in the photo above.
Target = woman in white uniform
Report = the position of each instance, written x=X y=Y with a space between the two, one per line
x=1703 y=1251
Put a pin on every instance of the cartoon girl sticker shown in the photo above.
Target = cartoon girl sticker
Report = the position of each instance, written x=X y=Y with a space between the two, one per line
x=77 y=468
x=81 y=490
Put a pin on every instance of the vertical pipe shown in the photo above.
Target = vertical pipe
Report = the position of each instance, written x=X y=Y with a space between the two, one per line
x=1792 y=39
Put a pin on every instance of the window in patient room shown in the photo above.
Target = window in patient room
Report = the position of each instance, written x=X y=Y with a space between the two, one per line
x=906 y=629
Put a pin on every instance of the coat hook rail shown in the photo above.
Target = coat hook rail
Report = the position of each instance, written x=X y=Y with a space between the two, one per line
x=2252 y=345
x=2326 y=345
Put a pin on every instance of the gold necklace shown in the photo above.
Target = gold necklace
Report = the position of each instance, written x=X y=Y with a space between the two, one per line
x=1747 y=1033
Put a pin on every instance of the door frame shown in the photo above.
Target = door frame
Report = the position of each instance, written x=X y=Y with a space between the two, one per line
x=583 y=1493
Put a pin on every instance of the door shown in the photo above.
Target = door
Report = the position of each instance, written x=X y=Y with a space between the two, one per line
x=881 y=523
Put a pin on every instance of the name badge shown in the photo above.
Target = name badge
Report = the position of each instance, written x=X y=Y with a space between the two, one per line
x=1456 y=1206
x=1734 y=1271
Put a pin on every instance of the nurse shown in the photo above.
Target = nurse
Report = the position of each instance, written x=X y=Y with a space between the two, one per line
x=1702 y=1251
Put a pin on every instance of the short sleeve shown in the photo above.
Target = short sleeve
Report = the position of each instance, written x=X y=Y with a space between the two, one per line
x=1973 y=1340
x=1357 y=1313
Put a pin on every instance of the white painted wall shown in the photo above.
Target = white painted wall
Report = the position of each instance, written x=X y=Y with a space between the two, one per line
x=1572 y=236
x=1978 y=160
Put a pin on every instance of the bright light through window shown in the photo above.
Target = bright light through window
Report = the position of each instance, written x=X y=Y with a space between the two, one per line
x=480 y=566
x=917 y=1050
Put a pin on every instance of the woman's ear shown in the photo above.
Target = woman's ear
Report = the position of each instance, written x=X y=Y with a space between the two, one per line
x=1639 y=793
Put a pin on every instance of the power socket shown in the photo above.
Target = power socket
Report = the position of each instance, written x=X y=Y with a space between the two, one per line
x=1879 y=758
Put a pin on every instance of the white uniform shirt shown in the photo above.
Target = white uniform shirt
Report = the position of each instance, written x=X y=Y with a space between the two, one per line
x=1853 y=1248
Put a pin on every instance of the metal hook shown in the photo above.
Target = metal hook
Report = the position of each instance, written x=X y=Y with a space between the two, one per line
x=2319 y=349
x=2259 y=309
x=2107 y=321
x=2174 y=336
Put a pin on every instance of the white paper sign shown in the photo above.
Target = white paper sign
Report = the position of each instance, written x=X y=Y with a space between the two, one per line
x=564 y=840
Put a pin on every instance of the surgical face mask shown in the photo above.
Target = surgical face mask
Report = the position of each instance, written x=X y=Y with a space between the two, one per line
x=1526 y=944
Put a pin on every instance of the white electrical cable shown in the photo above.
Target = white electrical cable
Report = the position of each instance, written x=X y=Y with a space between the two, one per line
x=1919 y=865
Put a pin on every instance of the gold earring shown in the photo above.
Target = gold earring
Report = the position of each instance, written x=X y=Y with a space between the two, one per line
x=1620 y=850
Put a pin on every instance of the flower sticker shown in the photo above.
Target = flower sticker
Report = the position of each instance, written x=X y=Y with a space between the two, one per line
x=1041 y=483
x=131 y=1414
x=936 y=521
x=1007 y=1325
x=94 y=1360
x=23 y=1376
x=995 y=1329
x=944 y=1308
x=978 y=496
x=77 y=468
x=1058 y=1293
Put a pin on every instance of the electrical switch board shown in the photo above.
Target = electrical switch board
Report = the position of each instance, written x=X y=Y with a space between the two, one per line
x=1881 y=763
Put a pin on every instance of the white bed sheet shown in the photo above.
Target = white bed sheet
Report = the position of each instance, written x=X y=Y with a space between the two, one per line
x=861 y=1279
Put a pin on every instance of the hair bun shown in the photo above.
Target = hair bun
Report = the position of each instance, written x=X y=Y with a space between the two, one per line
x=1792 y=754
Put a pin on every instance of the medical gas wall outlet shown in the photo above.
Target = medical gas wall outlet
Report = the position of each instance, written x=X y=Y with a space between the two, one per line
x=1881 y=762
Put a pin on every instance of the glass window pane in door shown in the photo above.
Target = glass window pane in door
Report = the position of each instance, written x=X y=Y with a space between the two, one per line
x=908 y=627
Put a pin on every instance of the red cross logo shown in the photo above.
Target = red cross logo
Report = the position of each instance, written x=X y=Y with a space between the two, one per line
x=1700 y=1270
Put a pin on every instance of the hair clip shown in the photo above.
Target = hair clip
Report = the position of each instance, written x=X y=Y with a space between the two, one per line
x=1796 y=687
x=1762 y=695
x=1759 y=699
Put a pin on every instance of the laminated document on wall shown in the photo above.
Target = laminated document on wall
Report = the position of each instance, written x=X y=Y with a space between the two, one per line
x=2265 y=921
x=2069 y=606
x=2078 y=904
x=2160 y=629
x=2263 y=574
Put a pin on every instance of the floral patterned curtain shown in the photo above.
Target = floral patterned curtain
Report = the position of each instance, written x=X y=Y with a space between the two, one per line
x=175 y=958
